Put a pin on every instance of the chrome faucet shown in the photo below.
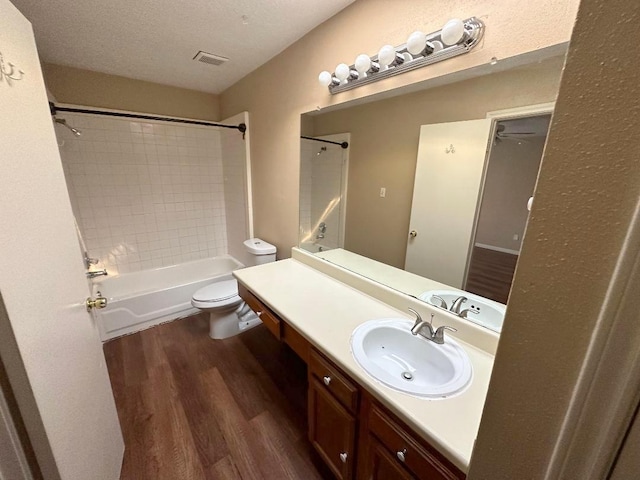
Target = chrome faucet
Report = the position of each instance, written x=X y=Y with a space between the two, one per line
x=322 y=228
x=97 y=273
x=436 y=336
x=457 y=303
x=88 y=261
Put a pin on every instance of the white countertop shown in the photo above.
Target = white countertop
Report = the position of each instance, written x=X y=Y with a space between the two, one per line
x=326 y=312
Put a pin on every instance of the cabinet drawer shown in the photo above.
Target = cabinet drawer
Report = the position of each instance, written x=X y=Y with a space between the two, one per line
x=417 y=459
x=342 y=388
x=269 y=319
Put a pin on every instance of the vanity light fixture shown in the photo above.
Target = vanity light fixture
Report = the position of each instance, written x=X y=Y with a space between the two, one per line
x=455 y=38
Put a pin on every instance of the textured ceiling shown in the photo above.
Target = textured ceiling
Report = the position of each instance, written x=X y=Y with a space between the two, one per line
x=156 y=40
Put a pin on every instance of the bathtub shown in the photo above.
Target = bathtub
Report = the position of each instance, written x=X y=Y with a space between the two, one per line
x=139 y=300
x=314 y=247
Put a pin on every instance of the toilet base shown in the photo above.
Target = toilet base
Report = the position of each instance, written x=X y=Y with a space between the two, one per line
x=232 y=322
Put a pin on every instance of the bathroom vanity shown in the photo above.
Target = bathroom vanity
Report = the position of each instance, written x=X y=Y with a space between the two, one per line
x=360 y=427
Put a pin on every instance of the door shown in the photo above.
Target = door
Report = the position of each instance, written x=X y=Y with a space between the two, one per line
x=382 y=465
x=332 y=430
x=451 y=159
x=48 y=338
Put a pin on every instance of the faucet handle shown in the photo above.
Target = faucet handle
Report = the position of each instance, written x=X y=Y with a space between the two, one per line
x=438 y=336
x=443 y=303
x=466 y=311
x=418 y=317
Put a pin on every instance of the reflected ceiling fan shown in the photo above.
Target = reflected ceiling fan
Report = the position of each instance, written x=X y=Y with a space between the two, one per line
x=513 y=136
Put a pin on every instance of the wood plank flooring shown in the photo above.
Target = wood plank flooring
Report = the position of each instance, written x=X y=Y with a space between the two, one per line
x=491 y=273
x=195 y=408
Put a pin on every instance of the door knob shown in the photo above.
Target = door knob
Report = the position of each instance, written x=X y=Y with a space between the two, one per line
x=98 y=302
x=413 y=234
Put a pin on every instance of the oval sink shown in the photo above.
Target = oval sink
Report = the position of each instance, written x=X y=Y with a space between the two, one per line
x=386 y=350
x=489 y=314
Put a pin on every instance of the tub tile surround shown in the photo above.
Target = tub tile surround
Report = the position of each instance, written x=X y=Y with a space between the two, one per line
x=152 y=194
x=320 y=187
x=326 y=311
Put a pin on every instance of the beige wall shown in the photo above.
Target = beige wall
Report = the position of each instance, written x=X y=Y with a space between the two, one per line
x=279 y=91
x=83 y=87
x=384 y=147
x=587 y=192
x=510 y=180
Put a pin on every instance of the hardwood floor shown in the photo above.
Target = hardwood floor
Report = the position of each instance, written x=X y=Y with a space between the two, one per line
x=195 y=408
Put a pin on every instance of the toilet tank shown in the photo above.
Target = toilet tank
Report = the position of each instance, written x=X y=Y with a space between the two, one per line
x=260 y=251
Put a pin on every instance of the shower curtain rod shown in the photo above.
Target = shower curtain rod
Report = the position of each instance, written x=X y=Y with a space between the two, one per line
x=342 y=144
x=242 y=127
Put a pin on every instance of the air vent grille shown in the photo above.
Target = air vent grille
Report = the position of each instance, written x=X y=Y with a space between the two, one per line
x=210 y=58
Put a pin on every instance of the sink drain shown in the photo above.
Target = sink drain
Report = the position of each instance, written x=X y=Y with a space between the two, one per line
x=407 y=376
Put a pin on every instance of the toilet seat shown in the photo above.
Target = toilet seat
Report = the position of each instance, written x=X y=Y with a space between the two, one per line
x=217 y=295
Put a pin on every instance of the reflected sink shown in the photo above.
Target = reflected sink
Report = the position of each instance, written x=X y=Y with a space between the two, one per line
x=490 y=315
x=386 y=350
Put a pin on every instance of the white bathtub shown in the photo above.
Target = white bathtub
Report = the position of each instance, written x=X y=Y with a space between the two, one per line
x=139 y=300
x=313 y=247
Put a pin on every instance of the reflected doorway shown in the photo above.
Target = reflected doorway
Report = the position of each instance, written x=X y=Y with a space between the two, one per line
x=510 y=178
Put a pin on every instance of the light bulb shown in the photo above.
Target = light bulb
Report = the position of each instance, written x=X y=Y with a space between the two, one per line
x=342 y=72
x=387 y=55
x=452 y=32
x=325 y=78
x=363 y=64
x=416 y=43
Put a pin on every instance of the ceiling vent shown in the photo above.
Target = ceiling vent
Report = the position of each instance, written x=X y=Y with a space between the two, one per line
x=210 y=58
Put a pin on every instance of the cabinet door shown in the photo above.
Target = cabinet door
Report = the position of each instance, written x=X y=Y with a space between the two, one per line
x=382 y=466
x=332 y=430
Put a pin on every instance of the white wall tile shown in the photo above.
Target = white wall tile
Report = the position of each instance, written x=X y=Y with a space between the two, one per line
x=139 y=189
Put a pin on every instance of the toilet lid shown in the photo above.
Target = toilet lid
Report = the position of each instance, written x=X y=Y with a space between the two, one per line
x=217 y=292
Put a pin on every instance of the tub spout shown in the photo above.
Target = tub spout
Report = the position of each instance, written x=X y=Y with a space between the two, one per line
x=96 y=273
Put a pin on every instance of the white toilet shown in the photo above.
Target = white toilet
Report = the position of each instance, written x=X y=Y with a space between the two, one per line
x=228 y=313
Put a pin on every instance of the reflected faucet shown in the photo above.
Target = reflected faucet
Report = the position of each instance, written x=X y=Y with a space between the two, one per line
x=443 y=304
x=466 y=311
x=88 y=261
x=457 y=303
x=436 y=336
x=321 y=229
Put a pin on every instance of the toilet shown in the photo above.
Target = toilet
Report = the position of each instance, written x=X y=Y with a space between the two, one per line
x=228 y=313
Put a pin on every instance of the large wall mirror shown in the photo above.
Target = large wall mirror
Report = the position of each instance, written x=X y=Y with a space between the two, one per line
x=430 y=197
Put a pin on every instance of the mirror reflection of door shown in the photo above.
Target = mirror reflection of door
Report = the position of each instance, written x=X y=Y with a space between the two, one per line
x=511 y=173
x=451 y=159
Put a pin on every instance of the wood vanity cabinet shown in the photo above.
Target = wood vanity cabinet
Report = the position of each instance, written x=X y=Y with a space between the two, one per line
x=356 y=436
x=392 y=451
x=333 y=408
x=270 y=319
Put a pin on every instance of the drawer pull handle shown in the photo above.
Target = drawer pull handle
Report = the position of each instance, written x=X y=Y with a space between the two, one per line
x=326 y=380
x=401 y=454
x=258 y=313
x=343 y=457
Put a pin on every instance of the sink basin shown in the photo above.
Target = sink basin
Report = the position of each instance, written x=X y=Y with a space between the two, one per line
x=491 y=313
x=386 y=350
